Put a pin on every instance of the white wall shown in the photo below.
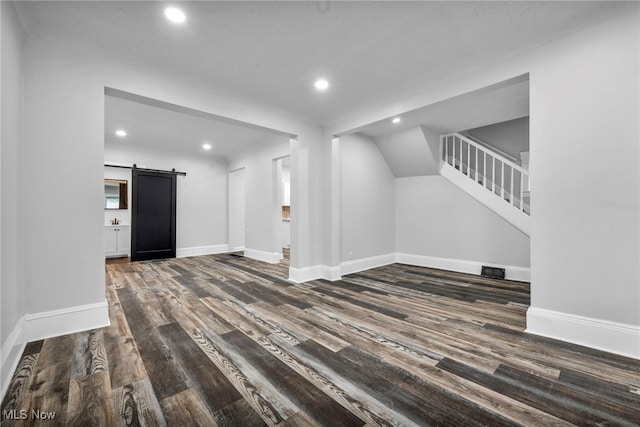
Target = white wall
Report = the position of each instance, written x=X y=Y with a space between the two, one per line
x=64 y=116
x=585 y=183
x=511 y=136
x=201 y=211
x=237 y=209
x=366 y=200
x=436 y=219
x=584 y=139
x=263 y=206
x=11 y=286
x=64 y=142
x=410 y=153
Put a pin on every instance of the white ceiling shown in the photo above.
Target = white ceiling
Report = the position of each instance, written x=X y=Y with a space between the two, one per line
x=500 y=102
x=270 y=53
x=158 y=127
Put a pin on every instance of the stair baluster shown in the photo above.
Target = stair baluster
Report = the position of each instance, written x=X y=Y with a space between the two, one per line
x=480 y=167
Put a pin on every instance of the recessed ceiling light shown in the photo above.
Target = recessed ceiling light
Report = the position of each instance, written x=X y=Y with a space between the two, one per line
x=174 y=15
x=206 y=146
x=322 y=84
x=121 y=133
x=395 y=120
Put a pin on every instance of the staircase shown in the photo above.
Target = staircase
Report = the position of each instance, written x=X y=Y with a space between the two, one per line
x=488 y=176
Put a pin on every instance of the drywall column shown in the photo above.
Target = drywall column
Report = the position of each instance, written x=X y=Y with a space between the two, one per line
x=585 y=188
x=11 y=107
x=334 y=272
x=307 y=208
x=62 y=230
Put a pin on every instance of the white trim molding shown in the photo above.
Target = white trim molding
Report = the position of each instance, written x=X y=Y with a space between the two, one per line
x=201 y=250
x=11 y=351
x=331 y=273
x=270 y=257
x=66 y=321
x=33 y=327
x=613 y=337
x=306 y=274
x=354 y=266
x=522 y=274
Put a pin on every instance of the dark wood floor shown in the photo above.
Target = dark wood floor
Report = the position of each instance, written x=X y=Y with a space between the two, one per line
x=223 y=340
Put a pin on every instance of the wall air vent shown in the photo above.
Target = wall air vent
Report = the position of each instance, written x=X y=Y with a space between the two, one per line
x=492 y=272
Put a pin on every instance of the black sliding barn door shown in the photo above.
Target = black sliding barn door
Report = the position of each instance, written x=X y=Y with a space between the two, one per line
x=153 y=215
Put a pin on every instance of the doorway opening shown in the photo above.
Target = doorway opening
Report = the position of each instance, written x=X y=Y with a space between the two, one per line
x=282 y=213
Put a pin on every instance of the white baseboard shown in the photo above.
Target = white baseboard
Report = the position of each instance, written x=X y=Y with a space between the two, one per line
x=201 y=250
x=270 y=257
x=33 y=327
x=306 y=274
x=354 y=266
x=11 y=350
x=66 y=321
x=331 y=273
x=522 y=274
x=613 y=337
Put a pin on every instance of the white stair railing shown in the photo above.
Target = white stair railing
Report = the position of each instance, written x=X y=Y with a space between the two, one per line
x=494 y=172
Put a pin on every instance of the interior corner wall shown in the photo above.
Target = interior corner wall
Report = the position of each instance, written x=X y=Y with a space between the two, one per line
x=262 y=238
x=435 y=219
x=11 y=281
x=201 y=214
x=367 y=213
x=585 y=183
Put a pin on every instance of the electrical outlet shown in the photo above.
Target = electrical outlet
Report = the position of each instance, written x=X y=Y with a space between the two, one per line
x=350 y=254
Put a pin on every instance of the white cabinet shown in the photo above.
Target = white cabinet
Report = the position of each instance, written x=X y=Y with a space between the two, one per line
x=117 y=240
